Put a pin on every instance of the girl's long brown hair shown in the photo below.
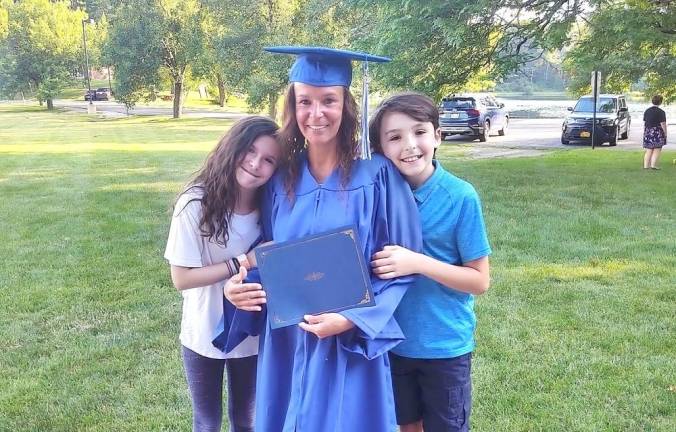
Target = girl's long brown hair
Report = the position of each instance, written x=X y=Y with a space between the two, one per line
x=293 y=141
x=217 y=178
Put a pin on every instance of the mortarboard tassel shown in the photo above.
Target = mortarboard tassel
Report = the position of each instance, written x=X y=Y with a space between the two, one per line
x=365 y=144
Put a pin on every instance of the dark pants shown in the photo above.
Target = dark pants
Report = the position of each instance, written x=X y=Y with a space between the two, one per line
x=205 y=381
x=436 y=391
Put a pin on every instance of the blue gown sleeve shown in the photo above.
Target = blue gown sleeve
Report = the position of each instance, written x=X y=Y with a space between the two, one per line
x=395 y=222
x=221 y=332
x=237 y=324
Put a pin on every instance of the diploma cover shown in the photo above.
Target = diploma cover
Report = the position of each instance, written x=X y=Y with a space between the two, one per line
x=321 y=273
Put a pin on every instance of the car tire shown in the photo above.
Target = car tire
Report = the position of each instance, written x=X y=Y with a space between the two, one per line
x=443 y=136
x=483 y=136
x=502 y=131
x=564 y=141
x=613 y=139
x=625 y=134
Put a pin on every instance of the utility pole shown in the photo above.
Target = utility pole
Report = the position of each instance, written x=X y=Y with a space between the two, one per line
x=596 y=89
x=91 y=108
x=110 y=84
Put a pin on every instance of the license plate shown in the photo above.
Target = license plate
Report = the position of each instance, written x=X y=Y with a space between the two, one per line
x=450 y=115
x=585 y=134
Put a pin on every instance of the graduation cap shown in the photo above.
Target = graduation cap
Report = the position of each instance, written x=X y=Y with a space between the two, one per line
x=324 y=67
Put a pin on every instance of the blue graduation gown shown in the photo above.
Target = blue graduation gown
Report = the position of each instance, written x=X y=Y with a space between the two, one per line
x=340 y=383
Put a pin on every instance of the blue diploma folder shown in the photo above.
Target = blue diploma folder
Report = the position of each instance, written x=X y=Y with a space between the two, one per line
x=317 y=274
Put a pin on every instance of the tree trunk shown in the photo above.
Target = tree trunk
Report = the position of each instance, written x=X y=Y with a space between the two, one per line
x=50 y=104
x=178 y=97
x=272 y=109
x=221 y=90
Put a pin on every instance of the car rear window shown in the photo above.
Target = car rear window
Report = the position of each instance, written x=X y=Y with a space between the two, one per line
x=458 y=103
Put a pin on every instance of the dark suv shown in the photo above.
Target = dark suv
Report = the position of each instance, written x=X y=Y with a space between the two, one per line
x=474 y=115
x=100 y=94
x=103 y=93
x=612 y=120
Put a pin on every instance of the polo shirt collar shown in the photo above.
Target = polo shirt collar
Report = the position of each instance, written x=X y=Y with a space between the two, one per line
x=425 y=190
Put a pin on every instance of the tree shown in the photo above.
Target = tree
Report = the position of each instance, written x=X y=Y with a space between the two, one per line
x=228 y=29
x=97 y=35
x=4 y=32
x=442 y=46
x=241 y=29
x=542 y=74
x=96 y=9
x=148 y=38
x=250 y=26
x=4 y=19
x=627 y=41
x=42 y=47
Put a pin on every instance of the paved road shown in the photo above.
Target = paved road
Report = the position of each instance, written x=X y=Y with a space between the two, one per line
x=524 y=137
x=530 y=137
x=115 y=109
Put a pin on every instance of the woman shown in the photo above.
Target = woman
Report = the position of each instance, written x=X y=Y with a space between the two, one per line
x=655 y=133
x=330 y=373
x=215 y=222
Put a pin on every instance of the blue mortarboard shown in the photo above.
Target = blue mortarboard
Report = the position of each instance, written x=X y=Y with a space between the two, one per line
x=323 y=67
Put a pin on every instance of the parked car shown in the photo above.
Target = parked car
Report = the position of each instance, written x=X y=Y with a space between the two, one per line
x=90 y=95
x=474 y=115
x=612 y=120
x=103 y=93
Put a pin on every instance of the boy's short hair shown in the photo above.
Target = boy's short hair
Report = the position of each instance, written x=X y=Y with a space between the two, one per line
x=414 y=105
x=657 y=100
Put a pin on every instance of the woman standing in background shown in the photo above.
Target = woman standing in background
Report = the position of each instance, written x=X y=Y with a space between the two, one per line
x=654 y=134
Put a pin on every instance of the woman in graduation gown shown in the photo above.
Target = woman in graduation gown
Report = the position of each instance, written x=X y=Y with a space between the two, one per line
x=331 y=372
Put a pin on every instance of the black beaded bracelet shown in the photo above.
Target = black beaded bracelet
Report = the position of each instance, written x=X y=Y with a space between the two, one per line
x=237 y=265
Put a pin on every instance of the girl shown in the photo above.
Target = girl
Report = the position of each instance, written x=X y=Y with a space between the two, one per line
x=214 y=224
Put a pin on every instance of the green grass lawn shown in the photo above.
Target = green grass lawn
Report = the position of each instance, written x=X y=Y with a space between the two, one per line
x=577 y=332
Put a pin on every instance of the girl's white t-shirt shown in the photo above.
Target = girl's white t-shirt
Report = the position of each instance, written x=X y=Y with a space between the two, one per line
x=203 y=306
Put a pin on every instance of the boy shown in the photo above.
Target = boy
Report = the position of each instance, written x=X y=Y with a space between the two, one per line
x=431 y=368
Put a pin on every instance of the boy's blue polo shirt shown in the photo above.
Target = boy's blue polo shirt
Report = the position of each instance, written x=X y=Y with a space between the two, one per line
x=439 y=322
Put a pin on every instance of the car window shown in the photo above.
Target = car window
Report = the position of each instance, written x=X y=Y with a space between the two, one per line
x=604 y=105
x=458 y=103
x=607 y=105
